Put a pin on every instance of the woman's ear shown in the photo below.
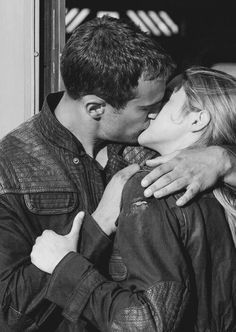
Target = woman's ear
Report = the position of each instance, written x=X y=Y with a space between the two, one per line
x=199 y=120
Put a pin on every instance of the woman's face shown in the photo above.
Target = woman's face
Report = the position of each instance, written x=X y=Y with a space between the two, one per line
x=167 y=130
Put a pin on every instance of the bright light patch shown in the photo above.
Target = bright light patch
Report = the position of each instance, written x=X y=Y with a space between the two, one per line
x=161 y=25
x=109 y=13
x=71 y=15
x=166 y=18
x=146 y=19
x=78 y=20
x=150 y=22
x=134 y=17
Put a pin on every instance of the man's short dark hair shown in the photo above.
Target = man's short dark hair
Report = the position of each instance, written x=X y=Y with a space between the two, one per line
x=107 y=56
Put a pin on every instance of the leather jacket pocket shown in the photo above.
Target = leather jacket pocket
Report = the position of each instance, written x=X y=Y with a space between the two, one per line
x=51 y=202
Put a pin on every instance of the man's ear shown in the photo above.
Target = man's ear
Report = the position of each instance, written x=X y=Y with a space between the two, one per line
x=199 y=120
x=95 y=108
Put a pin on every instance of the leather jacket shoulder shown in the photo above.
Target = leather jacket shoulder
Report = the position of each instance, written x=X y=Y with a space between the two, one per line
x=29 y=164
x=198 y=232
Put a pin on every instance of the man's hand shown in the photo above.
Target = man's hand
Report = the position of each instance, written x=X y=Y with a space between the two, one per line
x=108 y=209
x=194 y=169
x=50 y=247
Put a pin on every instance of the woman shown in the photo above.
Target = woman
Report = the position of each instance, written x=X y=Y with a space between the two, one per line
x=182 y=259
x=172 y=268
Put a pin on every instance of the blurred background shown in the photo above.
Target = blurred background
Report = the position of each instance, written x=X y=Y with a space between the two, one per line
x=33 y=33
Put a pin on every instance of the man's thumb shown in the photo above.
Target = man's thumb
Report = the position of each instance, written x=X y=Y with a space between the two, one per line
x=75 y=229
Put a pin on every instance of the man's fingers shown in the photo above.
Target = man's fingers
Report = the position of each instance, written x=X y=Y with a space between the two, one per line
x=190 y=193
x=161 y=159
x=156 y=161
x=154 y=175
x=75 y=229
x=170 y=188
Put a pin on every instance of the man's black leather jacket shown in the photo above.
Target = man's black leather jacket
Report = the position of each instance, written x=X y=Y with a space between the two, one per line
x=46 y=178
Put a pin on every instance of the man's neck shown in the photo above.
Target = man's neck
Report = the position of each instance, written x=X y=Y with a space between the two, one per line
x=98 y=151
x=67 y=113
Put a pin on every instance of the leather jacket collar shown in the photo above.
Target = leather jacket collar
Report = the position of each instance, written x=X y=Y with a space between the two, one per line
x=53 y=130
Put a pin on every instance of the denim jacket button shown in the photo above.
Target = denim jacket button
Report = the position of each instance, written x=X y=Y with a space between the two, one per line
x=76 y=161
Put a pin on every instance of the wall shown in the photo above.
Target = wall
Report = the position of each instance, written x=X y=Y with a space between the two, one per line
x=18 y=67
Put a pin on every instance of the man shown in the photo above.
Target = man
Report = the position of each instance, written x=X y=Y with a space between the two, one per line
x=60 y=161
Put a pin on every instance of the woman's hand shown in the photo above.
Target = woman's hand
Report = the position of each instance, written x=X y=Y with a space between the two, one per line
x=108 y=209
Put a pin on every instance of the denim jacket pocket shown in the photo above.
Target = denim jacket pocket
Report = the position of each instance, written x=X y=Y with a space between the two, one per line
x=117 y=268
x=51 y=202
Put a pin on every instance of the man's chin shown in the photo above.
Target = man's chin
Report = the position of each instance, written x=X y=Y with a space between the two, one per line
x=133 y=142
x=129 y=140
x=126 y=141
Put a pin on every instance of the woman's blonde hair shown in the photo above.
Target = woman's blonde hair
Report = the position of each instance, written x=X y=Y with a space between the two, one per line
x=214 y=91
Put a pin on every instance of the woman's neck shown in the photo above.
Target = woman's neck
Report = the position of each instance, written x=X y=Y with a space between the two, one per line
x=169 y=147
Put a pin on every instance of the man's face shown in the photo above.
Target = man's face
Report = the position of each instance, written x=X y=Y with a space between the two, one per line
x=126 y=125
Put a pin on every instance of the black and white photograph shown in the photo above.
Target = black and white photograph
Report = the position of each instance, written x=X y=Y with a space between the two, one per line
x=118 y=166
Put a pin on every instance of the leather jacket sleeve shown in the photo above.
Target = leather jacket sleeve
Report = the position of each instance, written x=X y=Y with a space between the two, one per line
x=156 y=290
x=22 y=285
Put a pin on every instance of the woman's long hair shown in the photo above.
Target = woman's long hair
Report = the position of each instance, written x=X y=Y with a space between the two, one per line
x=215 y=92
